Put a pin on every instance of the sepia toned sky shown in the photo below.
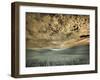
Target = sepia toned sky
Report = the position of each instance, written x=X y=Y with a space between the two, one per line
x=56 y=30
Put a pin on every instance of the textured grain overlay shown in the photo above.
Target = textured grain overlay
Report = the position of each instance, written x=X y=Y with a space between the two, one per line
x=56 y=30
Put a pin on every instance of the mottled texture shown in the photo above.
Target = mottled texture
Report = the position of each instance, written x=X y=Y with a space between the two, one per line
x=56 y=30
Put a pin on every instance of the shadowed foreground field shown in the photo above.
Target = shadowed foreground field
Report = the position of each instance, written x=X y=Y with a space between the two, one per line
x=55 y=57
